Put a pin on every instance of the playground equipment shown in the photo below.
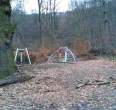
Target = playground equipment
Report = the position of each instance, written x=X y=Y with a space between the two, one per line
x=62 y=55
x=20 y=53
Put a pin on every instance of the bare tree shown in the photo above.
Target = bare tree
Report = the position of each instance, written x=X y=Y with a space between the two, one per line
x=40 y=21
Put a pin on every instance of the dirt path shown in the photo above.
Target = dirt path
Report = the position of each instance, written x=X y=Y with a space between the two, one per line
x=87 y=85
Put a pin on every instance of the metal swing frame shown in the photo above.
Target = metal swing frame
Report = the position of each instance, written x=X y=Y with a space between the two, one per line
x=21 y=55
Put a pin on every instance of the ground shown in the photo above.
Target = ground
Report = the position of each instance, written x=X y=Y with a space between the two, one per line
x=86 y=85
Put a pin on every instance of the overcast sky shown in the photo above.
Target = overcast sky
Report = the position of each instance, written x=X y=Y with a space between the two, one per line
x=32 y=5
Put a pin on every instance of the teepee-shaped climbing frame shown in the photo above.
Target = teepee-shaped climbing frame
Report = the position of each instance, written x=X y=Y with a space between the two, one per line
x=62 y=55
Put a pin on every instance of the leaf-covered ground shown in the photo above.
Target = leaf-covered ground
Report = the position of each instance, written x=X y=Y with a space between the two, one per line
x=86 y=85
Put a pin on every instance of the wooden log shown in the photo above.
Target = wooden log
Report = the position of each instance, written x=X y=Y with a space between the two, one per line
x=16 y=78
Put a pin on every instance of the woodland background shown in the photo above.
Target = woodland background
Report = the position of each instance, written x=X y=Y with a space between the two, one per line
x=92 y=23
x=86 y=28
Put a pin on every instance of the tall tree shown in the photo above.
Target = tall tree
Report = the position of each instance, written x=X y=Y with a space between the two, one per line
x=40 y=20
x=6 y=35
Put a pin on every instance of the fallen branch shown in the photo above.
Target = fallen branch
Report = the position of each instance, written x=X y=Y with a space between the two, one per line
x=96 y=82
x=99 y=84
x=82 y=84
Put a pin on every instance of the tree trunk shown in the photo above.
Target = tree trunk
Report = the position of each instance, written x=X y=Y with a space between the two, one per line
x=40 y=22
x=7 y=65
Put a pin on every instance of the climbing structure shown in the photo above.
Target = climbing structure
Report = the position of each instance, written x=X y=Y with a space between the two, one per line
x=62 y=55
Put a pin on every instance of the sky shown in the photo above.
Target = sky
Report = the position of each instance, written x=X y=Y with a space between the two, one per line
x=32 y=5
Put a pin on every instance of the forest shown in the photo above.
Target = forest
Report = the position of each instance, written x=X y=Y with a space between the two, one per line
x=93 y=21
x=71 y=53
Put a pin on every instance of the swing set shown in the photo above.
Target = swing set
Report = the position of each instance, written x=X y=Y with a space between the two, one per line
x=22 y=56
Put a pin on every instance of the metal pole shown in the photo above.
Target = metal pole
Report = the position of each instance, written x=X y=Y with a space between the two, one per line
x=16 y=55
x=21 y=59
x=28 y=56
x=65 y=58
